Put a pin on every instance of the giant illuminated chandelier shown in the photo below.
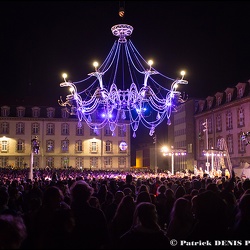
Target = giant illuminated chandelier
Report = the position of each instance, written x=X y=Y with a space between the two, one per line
x=125 y=90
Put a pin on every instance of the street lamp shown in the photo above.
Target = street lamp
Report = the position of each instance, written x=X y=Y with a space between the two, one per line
x=205 y=129
x=155 y=142
x=172 y=152
x=34 y=150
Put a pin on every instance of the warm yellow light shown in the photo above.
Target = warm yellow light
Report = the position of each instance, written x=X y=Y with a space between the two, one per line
x=64 y=75
x=95 y=64
x=183 y=73
x=164 y=149
x=150 y=62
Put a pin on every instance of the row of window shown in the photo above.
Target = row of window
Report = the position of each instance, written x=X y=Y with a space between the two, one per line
x=36 y=112
x=229 y=92
x=229 y=121
x=50 y=129
x=65 y=162
x=50 y=146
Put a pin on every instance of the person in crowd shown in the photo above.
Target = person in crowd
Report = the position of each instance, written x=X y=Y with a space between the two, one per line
x=12 y=231
x=181 y=220
x=123 y=219
x=145 y=232
x=210 y=212
x=91 y=230
x=241 y=227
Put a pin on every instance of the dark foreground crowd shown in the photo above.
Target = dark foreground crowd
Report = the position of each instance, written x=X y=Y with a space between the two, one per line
x=67 y=209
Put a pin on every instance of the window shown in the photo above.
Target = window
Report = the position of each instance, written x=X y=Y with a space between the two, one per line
x=64 y=113
x=241 y=117
x=107 y=131
x=229 y=120
x=65 y=129
x=50 y=112
x=35 y=112
x=35 y=128
x=107 y=162
x=65 y=162
x=210 y=142
x=79 y=130
x=3 y=162
x=93 y=162
x=50 y=130
x=242 y=145
x=230 y=144
x=20 y=128
x=94 y=132
x=79 y=163
x=108 y=146
x=50 y=145
x=4 y=146
x=229 y=96
x=79 y=146
x=122 y=162
x=65 y=146
x=201 y=148
x=50 y=162
x=19 y=162
x=209 y=104
x=20 y=146
x=20 y=111
x=218 y=123
x=5 y=128
x=93 y=147
x=122 y=131
x=36 y=162
x=240 y=92
x=210 y=125
x=5 y=111
x=218 y=101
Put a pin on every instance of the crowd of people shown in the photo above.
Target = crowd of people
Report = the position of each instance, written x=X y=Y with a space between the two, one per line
x=73 y=209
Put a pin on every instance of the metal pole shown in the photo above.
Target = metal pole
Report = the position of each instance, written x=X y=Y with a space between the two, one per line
x=207 y=163
x=155 y=154
x=31 y=164
x=212 y=160
x=172 y=162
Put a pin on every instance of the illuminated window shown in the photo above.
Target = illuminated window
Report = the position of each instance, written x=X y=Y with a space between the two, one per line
x=50 y=129
x=5 y=128
x=35 y=128
x=20 y=146
x=79 y=146
x=79 y=130
x=108 y=146
x=50 y=145
x=35 y=112
x=65 y=146
x=4 y=146
x=20 y=128
x=65 y=129
x=50 y=112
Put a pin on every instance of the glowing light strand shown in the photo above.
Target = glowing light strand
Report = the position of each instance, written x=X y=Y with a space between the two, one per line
x=103 y=103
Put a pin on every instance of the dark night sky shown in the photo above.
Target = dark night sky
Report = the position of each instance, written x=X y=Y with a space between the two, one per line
x=40 y=40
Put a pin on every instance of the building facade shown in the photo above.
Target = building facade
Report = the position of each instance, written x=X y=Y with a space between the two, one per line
x=224 y=117
x=181 y=136
x=63 y=141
